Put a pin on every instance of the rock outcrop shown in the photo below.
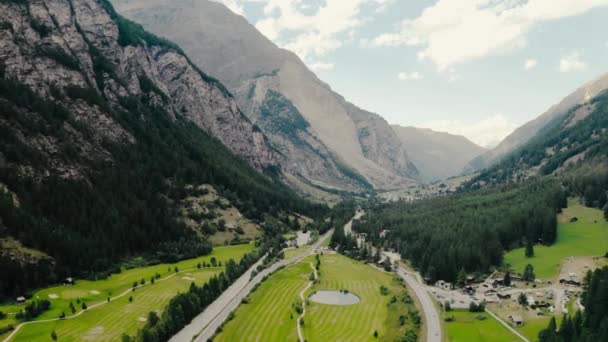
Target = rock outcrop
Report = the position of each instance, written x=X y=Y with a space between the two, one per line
x=340 y=146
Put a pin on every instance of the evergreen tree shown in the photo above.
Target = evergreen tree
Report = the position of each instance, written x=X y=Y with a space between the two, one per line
x=529 y=273
x=462 y=278
x=529 y=249
x=506 y=281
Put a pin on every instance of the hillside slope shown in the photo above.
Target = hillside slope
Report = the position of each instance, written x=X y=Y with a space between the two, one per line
x=437 y=155
x=526 y=132
x=335 y=142
x=576 y=141
x=103 y=128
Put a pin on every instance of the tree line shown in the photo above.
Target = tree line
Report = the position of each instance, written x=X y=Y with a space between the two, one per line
x=121 y=205
x=590 y=324
x=468 y=231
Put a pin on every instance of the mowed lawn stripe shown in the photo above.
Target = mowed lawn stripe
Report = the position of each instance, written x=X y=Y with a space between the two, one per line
x=266 y=317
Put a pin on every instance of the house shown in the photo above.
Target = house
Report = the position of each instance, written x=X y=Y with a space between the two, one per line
x=491 y=298
x=20 y=300
x=444 y=285
x=569 y=282
x=69 y=281
x=516 y=320
x=503 y=295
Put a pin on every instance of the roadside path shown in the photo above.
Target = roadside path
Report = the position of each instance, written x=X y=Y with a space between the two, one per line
x=507 y=326
x=212 y=318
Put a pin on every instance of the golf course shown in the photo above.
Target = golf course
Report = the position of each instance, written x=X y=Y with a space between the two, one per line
x=127 y=308
x=588 y=236
x=270 y=313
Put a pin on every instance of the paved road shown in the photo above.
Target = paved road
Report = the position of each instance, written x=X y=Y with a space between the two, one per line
x=204 y=326
x=431 y=315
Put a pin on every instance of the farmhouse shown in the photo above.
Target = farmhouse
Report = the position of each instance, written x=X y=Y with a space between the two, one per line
x=20 y=300
x=516 y=320
x=68 y=281
x=444 y=285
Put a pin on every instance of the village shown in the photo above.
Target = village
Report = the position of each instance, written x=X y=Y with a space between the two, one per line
x=513 y=298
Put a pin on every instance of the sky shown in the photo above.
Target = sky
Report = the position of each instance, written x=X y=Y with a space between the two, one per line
x=479 y=68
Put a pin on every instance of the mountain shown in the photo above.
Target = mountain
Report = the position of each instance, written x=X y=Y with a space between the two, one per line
x=526 y=132
x=327 y=141
x=437 y=155
x=105 y=129
x=574 y=145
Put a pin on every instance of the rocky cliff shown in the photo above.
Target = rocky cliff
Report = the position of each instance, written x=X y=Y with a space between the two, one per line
x=57 y=47
x=346 y=146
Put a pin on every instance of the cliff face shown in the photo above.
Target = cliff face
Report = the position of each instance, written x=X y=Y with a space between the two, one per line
x=59 y=47
x=341 y=146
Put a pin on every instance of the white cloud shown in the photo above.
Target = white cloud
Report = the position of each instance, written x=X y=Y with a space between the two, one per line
x=311 y=29
x=530 y=63
x=321 y=66
x=487 y=132
x=572 y=62
x=456 y=31
x=409 y=76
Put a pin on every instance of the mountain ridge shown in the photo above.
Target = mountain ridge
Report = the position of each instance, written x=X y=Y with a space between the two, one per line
x=251 y=66
x=438 y=155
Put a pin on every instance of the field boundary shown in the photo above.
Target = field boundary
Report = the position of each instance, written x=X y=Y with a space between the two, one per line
x=310 y=283
x=506 y=325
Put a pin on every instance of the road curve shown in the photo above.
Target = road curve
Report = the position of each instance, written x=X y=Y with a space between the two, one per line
x=204 y=326
x=431 y=315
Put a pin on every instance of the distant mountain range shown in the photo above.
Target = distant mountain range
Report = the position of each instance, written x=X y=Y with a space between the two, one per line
x=437 y=155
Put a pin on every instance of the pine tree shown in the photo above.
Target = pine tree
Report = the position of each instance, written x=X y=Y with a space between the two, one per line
x=506 y=281
x=462 y=278
x=529 y=249
x=529 y=273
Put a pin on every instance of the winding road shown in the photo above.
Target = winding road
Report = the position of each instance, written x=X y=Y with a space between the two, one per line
x=431 y=315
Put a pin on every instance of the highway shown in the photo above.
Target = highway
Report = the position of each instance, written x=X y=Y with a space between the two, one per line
x=431 y=315
x=204 y=326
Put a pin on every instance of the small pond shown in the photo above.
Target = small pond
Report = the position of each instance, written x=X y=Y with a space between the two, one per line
x=334 y=298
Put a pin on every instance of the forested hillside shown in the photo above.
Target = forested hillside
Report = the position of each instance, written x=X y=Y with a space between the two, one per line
x=468 y=231
x=97 y=146
x=580 y=135
x=592 y=323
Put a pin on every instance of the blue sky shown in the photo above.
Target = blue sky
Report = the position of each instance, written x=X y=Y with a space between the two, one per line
x=474 y=67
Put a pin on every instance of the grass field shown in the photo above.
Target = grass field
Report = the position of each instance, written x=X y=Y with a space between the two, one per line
x=587 y=237
x=269 y=315
x=291 y=252
x=357 y=322
x=466 y=327
x=111 y=320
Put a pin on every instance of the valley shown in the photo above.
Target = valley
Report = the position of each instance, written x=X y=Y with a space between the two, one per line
x=206 y=171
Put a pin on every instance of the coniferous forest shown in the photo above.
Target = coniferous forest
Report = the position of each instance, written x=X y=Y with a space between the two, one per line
x=592 y=323
x=468 y=231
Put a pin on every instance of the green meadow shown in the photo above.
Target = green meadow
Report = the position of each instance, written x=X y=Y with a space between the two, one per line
x=476 y=327
x=269 y=313
x=105 y=320
x=586 y=237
